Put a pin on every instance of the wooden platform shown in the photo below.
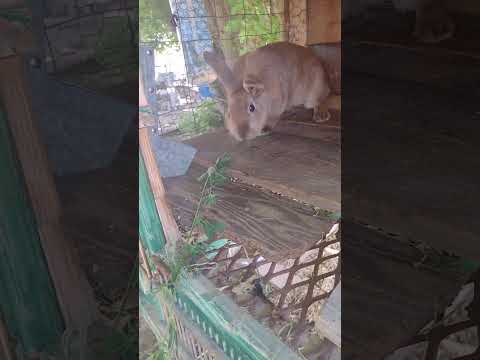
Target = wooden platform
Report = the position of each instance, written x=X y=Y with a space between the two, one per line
x=386 y=299
x=411 y=164
x=297 y=167
x=409 y=116
x=288 y=185
x=277 y=227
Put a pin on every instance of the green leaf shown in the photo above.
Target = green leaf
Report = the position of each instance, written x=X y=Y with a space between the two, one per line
x=212 y=228
x=215 y=245
x=210 y=199
x=154 y=24
x=223 y=162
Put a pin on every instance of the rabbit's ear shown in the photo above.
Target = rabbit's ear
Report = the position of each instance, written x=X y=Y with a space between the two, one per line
x=253 y=86
x=225 y=75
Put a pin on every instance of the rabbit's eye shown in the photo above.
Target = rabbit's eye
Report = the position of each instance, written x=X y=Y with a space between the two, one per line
x=251 y=108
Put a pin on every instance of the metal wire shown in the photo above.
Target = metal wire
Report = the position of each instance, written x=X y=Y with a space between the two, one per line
x=77 y=17
x=203 y=25
x=434 y=337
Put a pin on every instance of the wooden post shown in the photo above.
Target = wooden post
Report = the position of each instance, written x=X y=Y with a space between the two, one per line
x=74 y=294
x=170 y=227
x=324 y=21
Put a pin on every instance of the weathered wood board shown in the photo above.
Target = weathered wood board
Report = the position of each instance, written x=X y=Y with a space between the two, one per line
x=74 y=294
x=438 y=67
x=278 y=227
x=23 y=269
x=304 y=169
x=385 y=299
x=411 y=165
x=324 y=21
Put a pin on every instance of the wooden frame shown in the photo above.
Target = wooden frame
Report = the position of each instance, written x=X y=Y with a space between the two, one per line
x=324 y=21
x=170 y=228
x=74 y=293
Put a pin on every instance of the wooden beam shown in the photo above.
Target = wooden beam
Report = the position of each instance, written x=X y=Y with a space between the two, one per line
x=74 y=294
x=170 y=228
x=324 y=21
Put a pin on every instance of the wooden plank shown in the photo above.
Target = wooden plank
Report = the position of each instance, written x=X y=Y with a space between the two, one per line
x=170 y=228
x=304 y=169
x=324 y=21
x=408 y=167
x=328 y=322
x=427 y=66
x=20 y=244
x=73 y=291
x=385 y=299
x=278 y=227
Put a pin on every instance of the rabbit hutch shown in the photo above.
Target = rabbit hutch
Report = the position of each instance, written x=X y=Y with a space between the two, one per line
x=264 y=212
x=404 y=183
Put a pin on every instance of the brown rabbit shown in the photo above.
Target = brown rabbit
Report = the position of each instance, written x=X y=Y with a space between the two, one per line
x=268 y=81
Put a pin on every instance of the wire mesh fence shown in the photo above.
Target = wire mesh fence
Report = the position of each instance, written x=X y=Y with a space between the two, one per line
x=291 y=292
x=454 y=334
x=98 y=38
x=284 y=296
x=186 y=92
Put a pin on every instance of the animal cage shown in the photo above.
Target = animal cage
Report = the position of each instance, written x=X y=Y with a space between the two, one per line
x=294 y=286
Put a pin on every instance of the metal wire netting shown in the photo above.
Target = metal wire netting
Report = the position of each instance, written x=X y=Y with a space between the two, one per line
x=98 y=39
x=190 y=98
x=454 y=335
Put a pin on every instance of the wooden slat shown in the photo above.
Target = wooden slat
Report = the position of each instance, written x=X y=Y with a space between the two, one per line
x=328 y=321
x=324 y=21
x=170 y=228
x=278 y=227
x=73 y=291
x=304 y=169
x=411 y=164
x=429 y=66
x=385 y=299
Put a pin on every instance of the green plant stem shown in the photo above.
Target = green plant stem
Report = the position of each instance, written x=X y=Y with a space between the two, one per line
x=199 y=206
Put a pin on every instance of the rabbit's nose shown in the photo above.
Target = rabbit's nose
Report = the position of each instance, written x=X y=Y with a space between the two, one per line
x=242 y=131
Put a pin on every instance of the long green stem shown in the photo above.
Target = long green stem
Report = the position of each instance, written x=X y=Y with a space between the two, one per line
x=197 y=212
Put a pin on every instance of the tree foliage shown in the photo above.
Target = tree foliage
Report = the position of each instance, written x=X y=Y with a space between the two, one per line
x=155 y=24
x=259 y=27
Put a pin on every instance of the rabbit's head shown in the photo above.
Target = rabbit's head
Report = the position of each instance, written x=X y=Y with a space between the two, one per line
x=250 y=109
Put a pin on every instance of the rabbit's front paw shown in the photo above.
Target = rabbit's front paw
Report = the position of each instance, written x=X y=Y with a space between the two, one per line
x=321 y=114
